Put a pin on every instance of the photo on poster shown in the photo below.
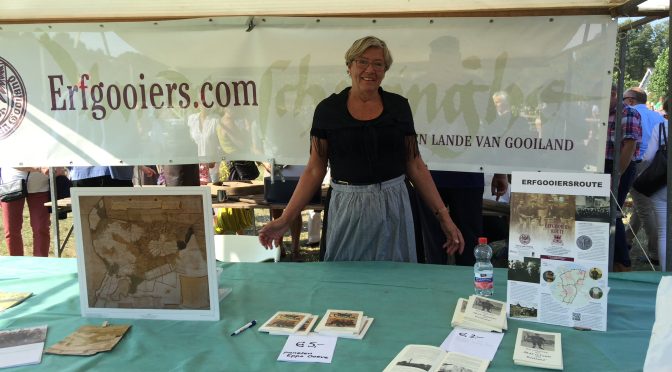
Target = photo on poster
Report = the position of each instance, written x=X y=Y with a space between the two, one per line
x=526 y=270
x=542 y=220
x=146 y=252
x=592 y=208
x=521 y=310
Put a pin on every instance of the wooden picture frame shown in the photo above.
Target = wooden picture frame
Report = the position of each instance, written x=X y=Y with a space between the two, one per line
x=146 y=253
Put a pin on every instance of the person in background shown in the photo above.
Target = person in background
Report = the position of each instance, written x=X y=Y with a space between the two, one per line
x=644 y=215
x=181 y=175
x=102 y=176
x=658 y=107
x=37 y=183
x=630 y=142
x=659 y=198
x=367 y=136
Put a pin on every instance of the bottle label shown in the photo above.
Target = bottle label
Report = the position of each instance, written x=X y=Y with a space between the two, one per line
x=483 y=281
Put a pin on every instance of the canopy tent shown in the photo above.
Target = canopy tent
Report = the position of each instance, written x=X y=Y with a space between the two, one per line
x=39 y=11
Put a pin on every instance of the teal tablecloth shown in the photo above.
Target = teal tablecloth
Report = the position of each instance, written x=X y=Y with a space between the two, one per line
x=411 y=304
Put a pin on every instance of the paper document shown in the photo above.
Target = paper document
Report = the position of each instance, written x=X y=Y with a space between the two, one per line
x=480 y=344
x=308 y=349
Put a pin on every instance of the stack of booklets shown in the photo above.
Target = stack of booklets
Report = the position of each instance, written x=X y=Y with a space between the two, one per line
x=433 y=359
x=481 y=314
x=538 y=349
x=289 y=323
x=344 y=323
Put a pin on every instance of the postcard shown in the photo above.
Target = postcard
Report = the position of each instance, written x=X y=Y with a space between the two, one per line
x=342 y=321
x=285 y=321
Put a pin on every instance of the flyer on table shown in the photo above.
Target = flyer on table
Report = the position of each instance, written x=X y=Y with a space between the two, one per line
x=559 y=248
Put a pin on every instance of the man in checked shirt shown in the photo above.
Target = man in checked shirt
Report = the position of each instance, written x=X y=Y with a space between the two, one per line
x=629 y=157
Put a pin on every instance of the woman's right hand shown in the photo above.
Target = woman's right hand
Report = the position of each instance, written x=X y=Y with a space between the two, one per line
x=273 y=233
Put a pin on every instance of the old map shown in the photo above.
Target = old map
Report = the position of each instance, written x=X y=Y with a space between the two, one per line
x=145 y=251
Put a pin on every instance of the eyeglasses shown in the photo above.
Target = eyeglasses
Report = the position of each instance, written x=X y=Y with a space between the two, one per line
x=624 y=98
x=364 y=64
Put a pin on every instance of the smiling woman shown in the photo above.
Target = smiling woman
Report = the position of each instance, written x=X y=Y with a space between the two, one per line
x=368 y=138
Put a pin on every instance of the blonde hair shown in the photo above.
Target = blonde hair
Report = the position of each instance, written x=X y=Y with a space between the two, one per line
x=361 y=45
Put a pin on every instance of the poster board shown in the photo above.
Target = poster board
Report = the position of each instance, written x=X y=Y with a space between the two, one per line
x=559 y=249
x=146 y=252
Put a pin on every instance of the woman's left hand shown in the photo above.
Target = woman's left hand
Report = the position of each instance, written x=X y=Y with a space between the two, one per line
x=454 y=240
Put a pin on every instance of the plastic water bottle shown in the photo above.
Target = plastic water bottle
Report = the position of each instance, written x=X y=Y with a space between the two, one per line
x=483 y=274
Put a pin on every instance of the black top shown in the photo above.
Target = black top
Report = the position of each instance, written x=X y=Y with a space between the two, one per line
x=365 y=151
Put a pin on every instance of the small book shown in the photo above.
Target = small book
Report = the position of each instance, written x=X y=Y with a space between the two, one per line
x=285 y=322
x=9 y=299
x=481 y=314
x=341 y=321
x=433 y=359
x=304 y=330
x=90 y=340
x=23 y=346
x=538 y=349
x=366 y=324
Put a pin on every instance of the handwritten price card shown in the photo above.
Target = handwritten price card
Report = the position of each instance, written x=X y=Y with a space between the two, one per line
x=308 y=349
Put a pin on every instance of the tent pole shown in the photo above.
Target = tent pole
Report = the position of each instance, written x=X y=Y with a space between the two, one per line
x=54 y=212
x=668 y=221
x=618 y=134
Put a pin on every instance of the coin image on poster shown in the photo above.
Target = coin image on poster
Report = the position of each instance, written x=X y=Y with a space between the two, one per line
x=595 y=273
x=595 y=293
x=549 y=276
x=584 y=242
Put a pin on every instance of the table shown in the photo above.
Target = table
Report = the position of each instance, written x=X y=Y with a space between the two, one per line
x=411 y=304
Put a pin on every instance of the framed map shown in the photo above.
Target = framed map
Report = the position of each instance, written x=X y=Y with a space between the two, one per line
x=146 y=252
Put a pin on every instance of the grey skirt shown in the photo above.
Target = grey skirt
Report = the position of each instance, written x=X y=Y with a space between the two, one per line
x=370 y=223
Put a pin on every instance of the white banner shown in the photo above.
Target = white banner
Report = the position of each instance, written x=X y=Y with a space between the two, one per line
x=205 y=89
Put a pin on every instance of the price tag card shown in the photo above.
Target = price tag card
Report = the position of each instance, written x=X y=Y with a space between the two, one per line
x=308 y=349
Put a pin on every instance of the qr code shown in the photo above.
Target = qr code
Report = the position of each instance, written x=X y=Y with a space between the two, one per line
x=576 y=316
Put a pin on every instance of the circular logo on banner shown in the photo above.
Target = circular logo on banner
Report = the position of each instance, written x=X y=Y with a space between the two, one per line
x=524 y=239
x=13 y=99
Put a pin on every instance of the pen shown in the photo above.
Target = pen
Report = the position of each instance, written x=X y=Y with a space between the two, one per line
x=246 y=326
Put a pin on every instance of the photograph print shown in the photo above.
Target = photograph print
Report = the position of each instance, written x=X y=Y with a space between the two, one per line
x=536 y=340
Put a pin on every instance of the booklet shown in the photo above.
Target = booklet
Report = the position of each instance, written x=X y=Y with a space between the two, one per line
x=433 y=359
x=358 y=335
x=341 y=321
x=90 y=340
x=304 y=330
x=23 y=346
x=287 y=322
x=538 y=349
x=9 y=299
x=481 y=314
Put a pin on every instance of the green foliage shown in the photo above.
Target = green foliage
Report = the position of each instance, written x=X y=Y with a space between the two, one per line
x=658 y=84
x=644 y=46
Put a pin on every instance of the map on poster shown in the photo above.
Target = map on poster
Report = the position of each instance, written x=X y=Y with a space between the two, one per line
x=559 y=249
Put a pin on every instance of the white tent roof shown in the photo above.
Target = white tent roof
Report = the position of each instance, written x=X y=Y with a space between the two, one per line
x=33 y=11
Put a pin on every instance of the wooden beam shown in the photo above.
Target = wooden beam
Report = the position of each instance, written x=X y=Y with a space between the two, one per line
x=521 y=12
